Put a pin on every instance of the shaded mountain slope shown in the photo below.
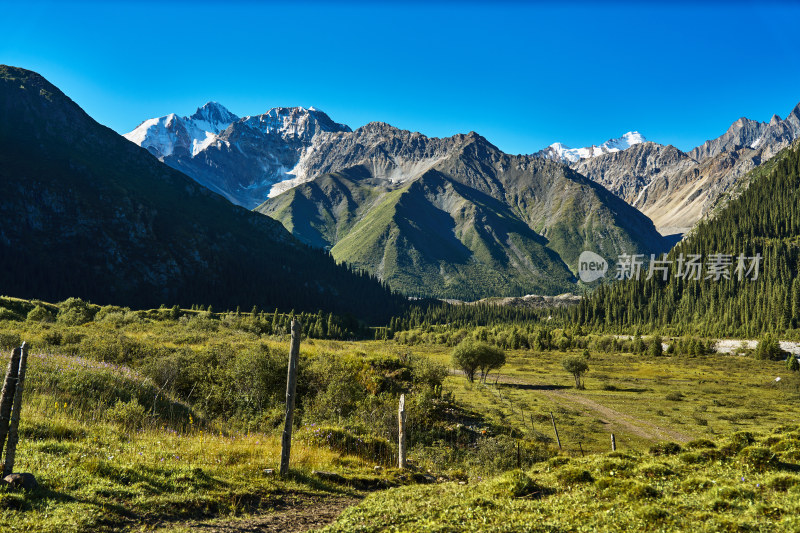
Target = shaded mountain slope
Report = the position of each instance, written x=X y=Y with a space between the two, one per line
x=90 y=214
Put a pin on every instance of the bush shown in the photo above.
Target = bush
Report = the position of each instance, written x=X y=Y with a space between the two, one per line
x=364 y=446
x=40 y=314
x=130 y=415
x=8 y=314
x=570 y=476
x=515 y=484
x=665 y=448
x=75 y=312
x=699 y=444
x=9 y=341
x=782 y=482
x=759 y=458
x=427 y=373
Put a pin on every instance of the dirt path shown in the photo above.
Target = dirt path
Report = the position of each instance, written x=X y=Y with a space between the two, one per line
x=301 y=516
x=641 y=428
x=631 y=424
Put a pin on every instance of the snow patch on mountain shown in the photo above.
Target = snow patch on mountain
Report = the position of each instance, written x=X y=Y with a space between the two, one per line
x=165 y=136
x=560 y=152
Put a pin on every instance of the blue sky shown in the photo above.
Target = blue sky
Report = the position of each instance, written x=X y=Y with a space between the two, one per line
x=521 y=74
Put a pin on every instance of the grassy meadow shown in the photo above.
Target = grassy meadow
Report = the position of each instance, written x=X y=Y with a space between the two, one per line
x=156 y=419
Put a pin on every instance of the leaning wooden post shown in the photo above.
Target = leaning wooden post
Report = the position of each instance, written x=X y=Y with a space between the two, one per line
x=7 y=396
x=555 y=429
x=13 y=435
x=401 y=421
x=613 y=443
x=291 y=385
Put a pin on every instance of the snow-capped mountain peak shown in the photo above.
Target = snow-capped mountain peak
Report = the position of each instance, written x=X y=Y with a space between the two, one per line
x=240 y=158
x=214 y=115
x=565 y=154
x=172 y=134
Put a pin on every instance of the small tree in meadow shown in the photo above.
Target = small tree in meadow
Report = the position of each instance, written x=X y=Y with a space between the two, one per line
x=792 y=363
x=471 y=356
x=577 y=366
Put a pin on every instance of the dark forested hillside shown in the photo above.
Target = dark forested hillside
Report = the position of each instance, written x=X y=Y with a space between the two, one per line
x=87 y=213
x=764 y=219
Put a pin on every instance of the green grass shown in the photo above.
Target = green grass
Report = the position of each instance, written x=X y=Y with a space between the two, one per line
x=105 y=463
x=752 y=487
x=117 y=439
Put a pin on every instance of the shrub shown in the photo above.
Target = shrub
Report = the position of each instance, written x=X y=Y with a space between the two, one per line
x=665 y=448
x=9 y=341
x=699 y=444
x=75 y=312
x=674 y=396
x=570 y=476
x=371 y=448
x=737 y=442
x=130 y=415
x=656 y=470
x=782 y=482
x=515 y=484
x=40 y=314
x=640 y=491
x=697 y=484
x=427 y=373
x=8 y=314
x=759 y=458
x=703 y=456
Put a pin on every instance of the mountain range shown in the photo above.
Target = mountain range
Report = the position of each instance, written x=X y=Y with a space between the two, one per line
x=456 y=217
x=90 y=214
x=447 y=217
x=677 y=189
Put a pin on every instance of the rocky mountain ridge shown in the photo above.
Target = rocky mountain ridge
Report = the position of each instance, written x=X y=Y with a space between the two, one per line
x=454 y=217
x=239 y=158
x=677 y=189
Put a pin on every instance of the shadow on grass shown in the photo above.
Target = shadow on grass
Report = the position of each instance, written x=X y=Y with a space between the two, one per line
x=528 y=386
x=614 y=388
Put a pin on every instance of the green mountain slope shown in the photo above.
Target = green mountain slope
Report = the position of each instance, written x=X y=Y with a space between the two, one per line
x=89 y=214
x=472 y=223
x=763 y=219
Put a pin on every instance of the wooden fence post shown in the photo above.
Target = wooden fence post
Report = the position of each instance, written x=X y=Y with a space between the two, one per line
x=401 y=421
x=558 y=440
x=13 y=435
x=291 y=386
x=613 y=443
x=7 y=396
